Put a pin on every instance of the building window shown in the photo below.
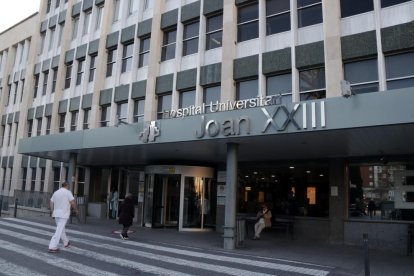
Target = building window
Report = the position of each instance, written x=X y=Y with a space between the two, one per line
x=75 y=25
x=24 y=176
x=68 y=76
x=281 y=86
x=139 y=105
x=110 y=62
x=309 y=12
x=15 y=89
x=312 y=84
x=277 y=16
x=60 y=34
x=86 y=113
x=48 y=4
x=81 y=181
x=164 y=104
x=42 y=42
x=144 y=48
x=33 y=182
x=21 y=94
x=86 y=21
x=132 y=6
x=387 y=3
x=98 y=21
x=248 y=22
x=51 y=38
x=214 y=32
x=16 y=129
x=147 y=4
x=29 y=128
x=57 y=4
x=122 y=111
x=62 y=119
x=187 y=98
x=353 y=7
x=247 y=89
x=54 y=80
x=190 y=38
x=48 y=124
x=399 y=70
x=363 y=75
x=42 y=179
x=127 y=57
x=116 y=14
x=168 y=45
x=10 y=134
x=92 y=68
x=9 y=88
x=56 y=178
x=45 y=78
x=105 y=115
x=74 y=120
x=211 y=97
x=80 y=72
x=36 y=85
x=39 y=127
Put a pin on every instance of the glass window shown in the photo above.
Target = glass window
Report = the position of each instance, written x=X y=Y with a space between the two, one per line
x=57 y=3
x=110 y=62
x=168 y=46
x=75 y=25
x=132 y=6
x=68 y=76
x=74 y=120
x=144 y=48
x=190 y=38
x=51 y=38
x=116 y=10
x=92 y=68
x=98 y=20
x=127 y=57
x=29 y=128
x=42 y=42
x=33 y=182
x=187 y=98
x=363 y=75
x=36 y=86
x=211 y=98
x=309 y=12
x=381 y=192
x=80 y=72
x=122 y=111
x=280 y=85
x=48 y=124
x=45 y=78
x=312 y=84
x=139 y=105
x=86 y=21
x=214 y=31
x=62 y=119
x=24 y=176
x=48 y=4
x=39 y=127
x=59 y=42
x=54 y=80
x=277 y=16
x=399 y=70
x=56 y=178
x=248 y=22
x=352 y=7
x=164 y=103
x=387 y=3
x=105 y=115
x=86 y=113
x=247 y=90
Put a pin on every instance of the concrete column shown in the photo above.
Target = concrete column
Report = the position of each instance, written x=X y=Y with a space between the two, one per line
x=72 y=171
x=334 y=72
x=231 y=185
x=382 y=77
x=338 y=200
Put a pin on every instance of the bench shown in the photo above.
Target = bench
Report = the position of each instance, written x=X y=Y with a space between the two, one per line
x=285 y=223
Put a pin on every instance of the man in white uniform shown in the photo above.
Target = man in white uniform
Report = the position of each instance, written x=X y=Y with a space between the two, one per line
x=60 y=204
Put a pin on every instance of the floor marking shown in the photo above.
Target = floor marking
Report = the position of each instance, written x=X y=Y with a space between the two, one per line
x=10 y=269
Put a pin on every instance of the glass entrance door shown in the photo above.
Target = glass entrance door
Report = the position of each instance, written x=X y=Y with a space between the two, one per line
x=162 y=200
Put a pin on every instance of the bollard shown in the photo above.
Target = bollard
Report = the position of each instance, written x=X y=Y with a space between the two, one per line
x=366 y=250
x=15 y=206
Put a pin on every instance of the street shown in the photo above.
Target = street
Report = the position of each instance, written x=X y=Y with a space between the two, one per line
x=24 y=244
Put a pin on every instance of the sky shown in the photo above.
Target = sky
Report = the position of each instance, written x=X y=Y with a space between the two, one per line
x=14 y=11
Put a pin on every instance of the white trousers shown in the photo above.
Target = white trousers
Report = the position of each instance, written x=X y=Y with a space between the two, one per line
x=258 y=227
x=59 y=233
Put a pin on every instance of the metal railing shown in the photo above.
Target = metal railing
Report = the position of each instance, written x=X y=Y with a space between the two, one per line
x=33 y=199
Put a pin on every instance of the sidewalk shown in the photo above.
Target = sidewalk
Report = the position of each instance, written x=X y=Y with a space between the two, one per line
x=348 y=260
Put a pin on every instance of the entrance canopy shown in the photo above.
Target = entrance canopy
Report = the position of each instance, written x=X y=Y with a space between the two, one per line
x=372 y=124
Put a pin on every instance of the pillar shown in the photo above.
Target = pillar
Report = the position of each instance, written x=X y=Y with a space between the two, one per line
x=338 y=200
x=230 y=209
x=72 y=171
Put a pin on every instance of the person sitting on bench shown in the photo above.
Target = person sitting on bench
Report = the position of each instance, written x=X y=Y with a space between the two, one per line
x=263 y=220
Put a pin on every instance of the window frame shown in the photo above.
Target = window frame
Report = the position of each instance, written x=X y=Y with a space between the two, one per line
x=110 y=62
x=241 y=24
x=302 y=8
x=105 y=115
x=186 y=51
x=68 y=75
x=214 y=32
x=272 y=16
x=126 y=65
x=80 y=71
x=144 y=52
x=137 y=115
x=167 y=44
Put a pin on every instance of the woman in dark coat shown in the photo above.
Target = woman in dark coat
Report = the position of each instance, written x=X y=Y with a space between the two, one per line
x=126 y=214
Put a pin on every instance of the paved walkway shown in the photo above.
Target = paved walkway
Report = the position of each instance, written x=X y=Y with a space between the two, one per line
x=347 y=260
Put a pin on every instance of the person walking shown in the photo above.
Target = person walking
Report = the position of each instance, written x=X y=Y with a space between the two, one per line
x=60 y=203
x=263 y=220
x=126 y=214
